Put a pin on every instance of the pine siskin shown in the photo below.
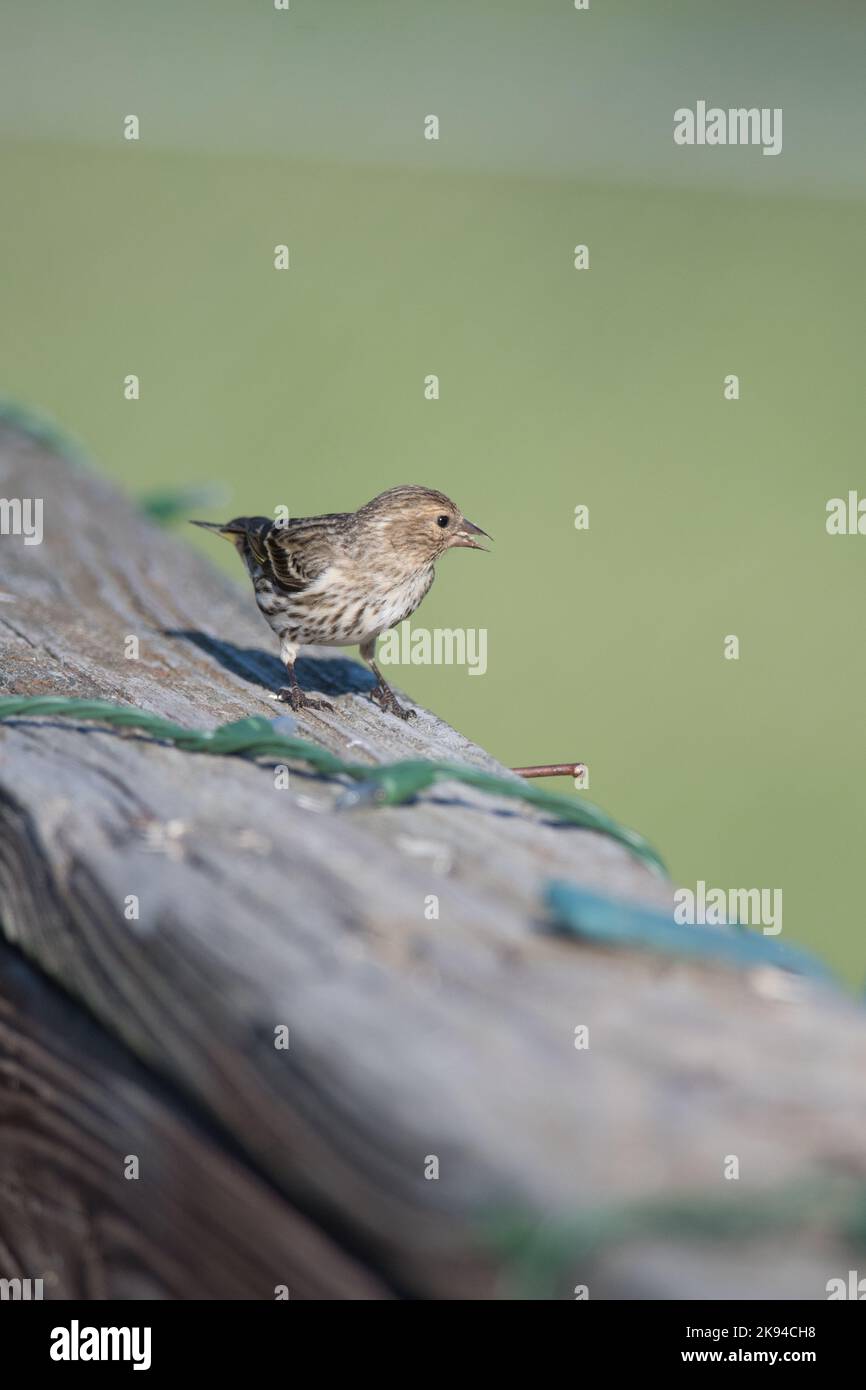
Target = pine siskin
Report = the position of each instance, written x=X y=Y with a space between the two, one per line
x=342 y=580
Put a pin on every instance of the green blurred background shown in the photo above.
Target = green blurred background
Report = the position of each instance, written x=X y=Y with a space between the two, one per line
x=558 y=387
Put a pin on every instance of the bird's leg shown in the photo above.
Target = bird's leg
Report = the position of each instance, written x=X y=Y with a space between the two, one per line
x=385 y=698
x=382 y=694
x=293 y=695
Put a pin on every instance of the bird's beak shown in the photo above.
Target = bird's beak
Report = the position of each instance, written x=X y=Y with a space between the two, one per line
x=464 y=533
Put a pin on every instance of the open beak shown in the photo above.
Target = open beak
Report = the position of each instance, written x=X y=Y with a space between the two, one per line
x=463 y=535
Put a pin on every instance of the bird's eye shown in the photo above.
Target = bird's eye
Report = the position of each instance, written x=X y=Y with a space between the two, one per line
x=442 y=520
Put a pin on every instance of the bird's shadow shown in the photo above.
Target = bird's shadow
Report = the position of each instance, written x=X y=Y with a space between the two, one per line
x=330 y=676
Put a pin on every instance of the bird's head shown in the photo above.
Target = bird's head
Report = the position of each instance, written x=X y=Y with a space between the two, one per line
x=420 y=523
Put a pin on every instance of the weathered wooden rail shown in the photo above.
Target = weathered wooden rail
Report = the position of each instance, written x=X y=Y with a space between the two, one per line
x=409 y=1039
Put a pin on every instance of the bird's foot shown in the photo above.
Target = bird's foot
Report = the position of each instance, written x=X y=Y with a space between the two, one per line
x=293 y=695
x=384 y=697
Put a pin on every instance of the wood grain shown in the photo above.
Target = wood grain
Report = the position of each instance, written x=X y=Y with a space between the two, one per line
x=194 y=1223
x=409 y=1037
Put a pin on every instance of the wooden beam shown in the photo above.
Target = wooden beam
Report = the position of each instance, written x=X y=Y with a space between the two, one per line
x=412 y=1037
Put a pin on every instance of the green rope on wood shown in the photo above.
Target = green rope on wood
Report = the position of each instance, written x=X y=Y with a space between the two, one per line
x=164 y=506
x=169 y=505
x=387 y=784
x=43 y=429
x=546 y=1259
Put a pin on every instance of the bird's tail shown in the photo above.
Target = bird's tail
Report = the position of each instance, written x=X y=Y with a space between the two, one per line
x=227 y=529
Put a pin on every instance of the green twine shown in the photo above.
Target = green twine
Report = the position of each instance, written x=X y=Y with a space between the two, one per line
x=43 y=429
x=547 y=1259
x=170 y=505
x=387 y=784
x=164 y=506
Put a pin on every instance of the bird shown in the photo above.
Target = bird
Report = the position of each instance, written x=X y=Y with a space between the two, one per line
x=342 y=579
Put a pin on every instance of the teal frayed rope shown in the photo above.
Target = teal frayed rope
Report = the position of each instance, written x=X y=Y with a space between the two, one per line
x=588 y=916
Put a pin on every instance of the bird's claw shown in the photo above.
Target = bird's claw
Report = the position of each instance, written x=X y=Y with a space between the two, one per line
x=387 y=701
x=293 y=695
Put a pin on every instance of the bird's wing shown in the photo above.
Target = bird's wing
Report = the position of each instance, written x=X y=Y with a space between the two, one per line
x=298 y=552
